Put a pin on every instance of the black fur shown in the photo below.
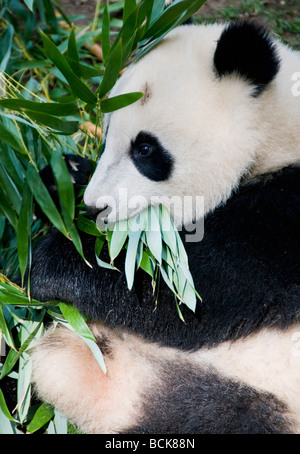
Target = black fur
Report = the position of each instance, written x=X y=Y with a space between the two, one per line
x=246 y=269
x=155 y=164
x=248 y=50
x=80 y=170
x=191 y=401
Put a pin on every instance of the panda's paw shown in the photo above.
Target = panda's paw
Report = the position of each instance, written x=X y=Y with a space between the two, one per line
x=66 y=374
x=80 y=170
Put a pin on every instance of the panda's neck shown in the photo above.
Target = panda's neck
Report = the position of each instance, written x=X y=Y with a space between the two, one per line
x=274 y=158
x=263 y=165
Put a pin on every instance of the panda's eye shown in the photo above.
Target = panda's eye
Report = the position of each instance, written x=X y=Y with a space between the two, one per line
x=145 y=149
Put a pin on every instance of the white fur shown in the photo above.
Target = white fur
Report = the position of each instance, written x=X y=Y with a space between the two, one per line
x=214 y=129
x=67 y=375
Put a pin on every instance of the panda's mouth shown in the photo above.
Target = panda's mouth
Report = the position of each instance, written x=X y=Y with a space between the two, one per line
x=109 y=215
x=95 y=212
x=103 y=216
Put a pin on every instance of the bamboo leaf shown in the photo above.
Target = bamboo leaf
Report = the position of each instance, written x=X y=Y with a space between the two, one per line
x=72 y=55
x=44 y=199
x=130 y=27
x=7 y=426
x=129 y=7
x=153 y=234
x=60 y=423
x=72 y=47
x=118 y=238
x=173 y=15
x=106 y=265
x=5 y=46
x=127 y=48
x=76 y=320
x=43 y=415
x=157 y=10
x=9 y=188
x=79 y=89
x=24 y=230
x=5 y=329
x=168 y=233
x=112 y=70
x=64 y=185
x=29 y=3
x=83 y=70
x=189 y=297
x=100 y=241
x=59 y=126
x=46 y=108
x=120 y=101
x=88 y=226
x=183 y=258
x=11 y=359
x=12 y=296
x=2 y=225
x=32 y=327
x=147 y=264
x=29 y=64
x=4 y=407
x=130 y=260
x=106 y=31
x=13 y=167
x=8 y=137
x=8 y=212
x=66 y=199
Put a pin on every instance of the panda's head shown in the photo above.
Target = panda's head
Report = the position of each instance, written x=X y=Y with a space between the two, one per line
x=196 y=130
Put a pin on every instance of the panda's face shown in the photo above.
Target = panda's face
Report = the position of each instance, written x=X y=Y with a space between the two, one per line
x=192 y=135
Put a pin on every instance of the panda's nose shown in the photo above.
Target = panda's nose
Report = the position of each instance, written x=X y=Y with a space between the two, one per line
x=95 y=211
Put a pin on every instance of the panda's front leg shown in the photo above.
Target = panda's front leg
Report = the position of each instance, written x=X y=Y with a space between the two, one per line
x=67 y=375
x=148 y=389
x=134 y=396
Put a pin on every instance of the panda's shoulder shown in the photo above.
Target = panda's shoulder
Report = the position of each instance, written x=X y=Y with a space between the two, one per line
x=275 y=194
x=268 y=196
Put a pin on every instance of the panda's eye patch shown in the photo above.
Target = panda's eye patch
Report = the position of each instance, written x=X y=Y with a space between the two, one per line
x=150 y=158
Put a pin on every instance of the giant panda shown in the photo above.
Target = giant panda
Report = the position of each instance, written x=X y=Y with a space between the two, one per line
x=218 y=119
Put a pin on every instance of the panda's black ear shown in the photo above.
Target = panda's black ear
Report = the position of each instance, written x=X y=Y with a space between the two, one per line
x=247 y=49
